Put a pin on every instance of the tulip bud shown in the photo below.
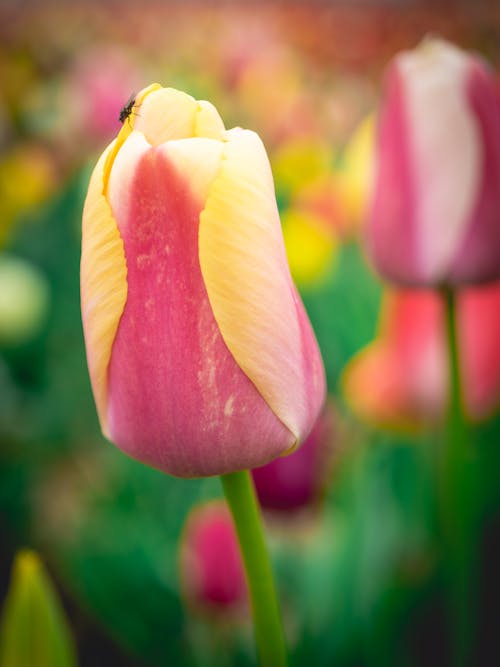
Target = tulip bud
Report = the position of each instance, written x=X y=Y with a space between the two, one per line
x=201 y=356
x=434 y=214
x=212 y=574
x=33 y=629
x=293 y=482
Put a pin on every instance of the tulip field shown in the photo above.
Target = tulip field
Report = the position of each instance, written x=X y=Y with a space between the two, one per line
x=249 y=334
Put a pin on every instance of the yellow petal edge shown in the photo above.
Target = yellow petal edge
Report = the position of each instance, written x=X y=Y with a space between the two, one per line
x=103 y=279
x=103 y=268
x=244 y=266
x=124 y=133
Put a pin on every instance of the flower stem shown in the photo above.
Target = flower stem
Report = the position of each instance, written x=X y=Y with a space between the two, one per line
x=458 y=499
x=242 y=501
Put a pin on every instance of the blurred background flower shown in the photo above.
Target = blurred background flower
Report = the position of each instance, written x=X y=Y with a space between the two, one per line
x=434 y=214
x=297 y=481
x=211 y=570
x=24 y=300
x=401 y=379
x=365 y=586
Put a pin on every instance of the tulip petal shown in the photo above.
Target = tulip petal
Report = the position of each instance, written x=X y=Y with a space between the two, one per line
x=479 y=326
x=166 y=114
x=208 y=123
x=103 y=284
x=122 y=171
x=478 y=259
x=177 y=398
x=446 y=169
x=244 y=266
x=393 y=206
x=196 y=160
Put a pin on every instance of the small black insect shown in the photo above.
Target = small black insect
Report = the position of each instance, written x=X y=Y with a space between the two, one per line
x=127 y=109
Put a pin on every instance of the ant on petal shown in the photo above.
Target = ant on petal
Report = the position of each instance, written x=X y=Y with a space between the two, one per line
x=127 y=109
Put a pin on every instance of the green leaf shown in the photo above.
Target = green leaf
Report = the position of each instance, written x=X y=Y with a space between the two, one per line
x=33 y=630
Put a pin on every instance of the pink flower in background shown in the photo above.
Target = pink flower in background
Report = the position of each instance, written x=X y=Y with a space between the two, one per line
x=201 y=356
x=266 y=74
x=401 y=378
x=479 y=327
x=100 y=83
x=244 y=44
x=212 y=574
x=435 y=215
x=298 y=480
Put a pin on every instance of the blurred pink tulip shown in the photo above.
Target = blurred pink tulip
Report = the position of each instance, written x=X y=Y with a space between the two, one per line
x=401 y=378
x=100 y=83
x=201 y=356
x=296 y=481
x=435 y=210
x=212 y=574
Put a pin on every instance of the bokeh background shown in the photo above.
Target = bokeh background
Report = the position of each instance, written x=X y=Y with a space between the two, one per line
x=360 y=574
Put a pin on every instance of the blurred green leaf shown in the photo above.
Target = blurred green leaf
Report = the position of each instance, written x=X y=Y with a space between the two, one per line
x=34 y=632
x=118 y=553
x=344 y=310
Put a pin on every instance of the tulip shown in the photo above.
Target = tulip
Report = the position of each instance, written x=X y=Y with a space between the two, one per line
x=212 y=574
x=434 y=212
x=293 y=482
x=201 y=357
x=401 y=379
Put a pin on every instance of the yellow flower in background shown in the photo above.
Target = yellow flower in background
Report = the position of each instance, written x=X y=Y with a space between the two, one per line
x=299 y=162
x=354 y=175
x=27 y=178
x=311 y=246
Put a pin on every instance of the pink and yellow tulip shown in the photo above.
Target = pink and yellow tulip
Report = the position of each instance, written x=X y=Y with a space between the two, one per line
x=201 y=356
x=434 y=216
x=401 y=379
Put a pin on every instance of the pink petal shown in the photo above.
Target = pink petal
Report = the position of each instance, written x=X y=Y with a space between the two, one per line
x=478 y=257
x=177 y=399
x=392 y=232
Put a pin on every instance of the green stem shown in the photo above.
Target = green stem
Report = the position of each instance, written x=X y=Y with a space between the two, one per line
x=458 y=499
x=242 y=501
x=457 y=425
